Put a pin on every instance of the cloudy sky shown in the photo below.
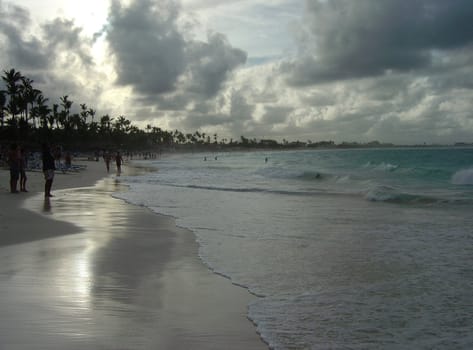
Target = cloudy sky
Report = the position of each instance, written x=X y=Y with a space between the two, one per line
x=343 y=70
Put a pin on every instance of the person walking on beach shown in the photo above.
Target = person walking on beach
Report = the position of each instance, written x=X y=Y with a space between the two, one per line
x=14 y=164
x=107 y=158
x=23 y=166
x=119 y=161
x=48 y=170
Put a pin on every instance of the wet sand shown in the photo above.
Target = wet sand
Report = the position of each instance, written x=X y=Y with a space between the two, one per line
x=88 y=271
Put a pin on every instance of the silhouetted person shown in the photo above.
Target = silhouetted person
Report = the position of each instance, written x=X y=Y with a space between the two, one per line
x=48 y=170
x=14 y=164
x=23 y=166
x=107 y=158
x=119 y=161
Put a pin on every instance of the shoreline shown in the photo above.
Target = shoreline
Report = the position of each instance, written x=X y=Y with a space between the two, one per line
x=134 y=271
x=14 y=228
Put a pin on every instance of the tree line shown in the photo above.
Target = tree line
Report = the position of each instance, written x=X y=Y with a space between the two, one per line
x=27 y=117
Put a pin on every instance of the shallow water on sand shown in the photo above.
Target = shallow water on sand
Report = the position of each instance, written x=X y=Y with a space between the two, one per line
x=129 y=280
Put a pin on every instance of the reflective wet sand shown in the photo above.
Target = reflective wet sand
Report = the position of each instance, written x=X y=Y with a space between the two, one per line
x=121 y=278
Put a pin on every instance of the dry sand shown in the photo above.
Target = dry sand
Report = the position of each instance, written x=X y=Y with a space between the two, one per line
x=84 y=270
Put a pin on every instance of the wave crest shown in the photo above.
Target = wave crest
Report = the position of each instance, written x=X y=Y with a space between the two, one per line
x=463 y=177
x=392 y=195
x=388 y=167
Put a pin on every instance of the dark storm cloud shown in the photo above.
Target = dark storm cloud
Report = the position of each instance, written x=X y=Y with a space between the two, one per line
x=155 y=57
x=210 y=63
x=147 y=45
x=352 y=39
x=18 y=50
x=37 y=53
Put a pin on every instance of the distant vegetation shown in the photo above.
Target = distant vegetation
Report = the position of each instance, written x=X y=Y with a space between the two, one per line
x=27 y=118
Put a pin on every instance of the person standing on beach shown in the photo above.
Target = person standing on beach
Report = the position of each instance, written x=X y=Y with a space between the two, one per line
x=23 y=166
x=48 y=170
x=14 y=164
x=119 y=161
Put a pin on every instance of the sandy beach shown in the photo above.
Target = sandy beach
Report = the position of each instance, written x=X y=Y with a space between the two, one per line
x=84 y=270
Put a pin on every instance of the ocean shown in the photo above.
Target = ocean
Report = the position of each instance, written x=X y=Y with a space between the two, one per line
x=345 y=249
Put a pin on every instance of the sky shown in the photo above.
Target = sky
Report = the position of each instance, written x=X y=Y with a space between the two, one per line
x=319 y=70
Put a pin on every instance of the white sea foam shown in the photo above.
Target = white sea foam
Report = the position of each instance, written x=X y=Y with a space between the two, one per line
x=463 y=177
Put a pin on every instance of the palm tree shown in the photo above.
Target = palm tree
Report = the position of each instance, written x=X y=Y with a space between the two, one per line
x=167 y=138
x=157 y=137
x=178 y=137
x=93 y=129
x=122 y=125
x=11 y=78
x=76 y=122
x=105 y=123
x=189 y=138
x=91 y=113
x=3 y=101
x=28 y=95
x=43 y=111
x=54 y=118
x=64 y=115
x=84 y=112
x=66 y=104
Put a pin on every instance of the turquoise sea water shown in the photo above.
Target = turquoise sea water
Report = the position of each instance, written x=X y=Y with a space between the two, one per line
x=347 y=249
